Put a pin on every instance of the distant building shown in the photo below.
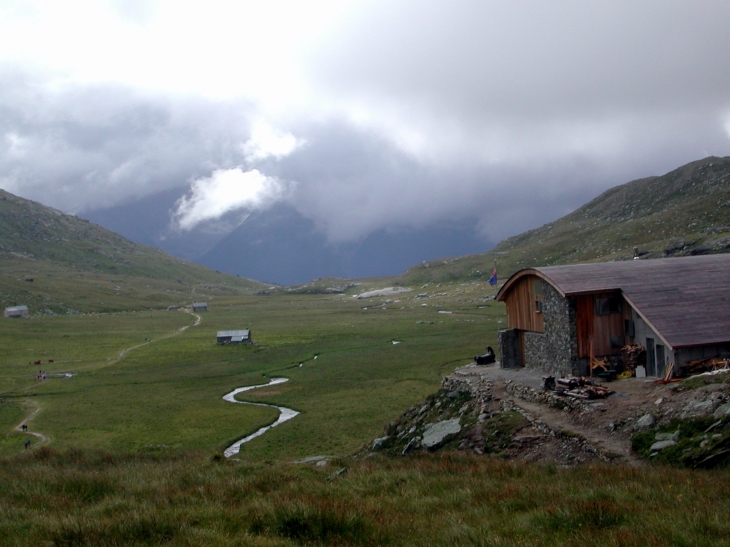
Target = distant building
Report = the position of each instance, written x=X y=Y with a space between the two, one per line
x=171 y=308
x=16 y=311
x=226 y=337
x=200 y=306
x=559 y=317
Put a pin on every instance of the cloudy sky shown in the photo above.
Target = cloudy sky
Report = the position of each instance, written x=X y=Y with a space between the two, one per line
x=361 y=114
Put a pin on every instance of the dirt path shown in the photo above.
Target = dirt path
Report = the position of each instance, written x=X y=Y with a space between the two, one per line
x=44 y=439
x=565 y=423
x=178 y=331
x=285 y=414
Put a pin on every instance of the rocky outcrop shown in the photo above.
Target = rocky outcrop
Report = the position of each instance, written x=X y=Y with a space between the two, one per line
x=434 y=435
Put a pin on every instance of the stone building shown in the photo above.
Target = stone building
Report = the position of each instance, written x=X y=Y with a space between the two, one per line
x=226 y=337
x=560 y=316
x=16 y=311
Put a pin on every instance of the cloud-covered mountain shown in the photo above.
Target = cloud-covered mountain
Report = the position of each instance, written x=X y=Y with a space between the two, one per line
x=279 y=245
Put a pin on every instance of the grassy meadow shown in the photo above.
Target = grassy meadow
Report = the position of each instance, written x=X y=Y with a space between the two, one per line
x=91 y=498
x=166 y=394
x=136 y=436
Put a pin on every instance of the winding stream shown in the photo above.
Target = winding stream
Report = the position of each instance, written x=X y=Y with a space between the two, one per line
x=285 y=414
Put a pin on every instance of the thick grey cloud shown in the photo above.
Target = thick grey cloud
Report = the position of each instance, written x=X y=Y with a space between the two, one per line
x=482 y=62
x=414 y=112
x=84 y=147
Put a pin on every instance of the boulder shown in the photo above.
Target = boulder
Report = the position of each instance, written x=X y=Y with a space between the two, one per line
x=700 y=407
x=660 y=445
x=411 y=446
x=379 y=444
x=667 y=436
x=440 y=432
x=722 y=411
x=645 y=422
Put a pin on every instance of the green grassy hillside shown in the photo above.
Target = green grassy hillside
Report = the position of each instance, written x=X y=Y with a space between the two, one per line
x=58 y=263
x=683 y=212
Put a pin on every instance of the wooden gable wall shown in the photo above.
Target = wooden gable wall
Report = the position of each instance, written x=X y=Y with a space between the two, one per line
x=599 y=328
x=521 y=308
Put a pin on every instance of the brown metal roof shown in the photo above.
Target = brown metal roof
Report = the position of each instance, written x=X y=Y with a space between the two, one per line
x=687 y=299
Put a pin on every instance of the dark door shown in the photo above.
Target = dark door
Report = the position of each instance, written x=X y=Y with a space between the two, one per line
x=511 y=351
x=650 y=357
x=660 y=360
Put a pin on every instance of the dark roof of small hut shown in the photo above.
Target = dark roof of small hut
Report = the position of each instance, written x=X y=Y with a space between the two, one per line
x=686 y=299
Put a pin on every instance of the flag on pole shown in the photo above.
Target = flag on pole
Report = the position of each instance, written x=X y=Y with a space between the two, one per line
x=493 y=279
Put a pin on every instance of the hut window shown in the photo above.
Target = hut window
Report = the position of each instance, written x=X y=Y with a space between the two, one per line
x=608 y=306
x=538 y=295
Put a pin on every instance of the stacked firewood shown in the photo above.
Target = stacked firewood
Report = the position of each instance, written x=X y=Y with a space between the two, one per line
x=581 y=388
x=633 y=355
x=705 y=365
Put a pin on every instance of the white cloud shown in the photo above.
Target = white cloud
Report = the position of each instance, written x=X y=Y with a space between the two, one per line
x=218 y=49
x=227 y=190
x=267 y=142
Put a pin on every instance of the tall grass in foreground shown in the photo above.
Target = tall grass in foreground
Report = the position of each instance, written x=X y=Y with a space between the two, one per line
x=100 y=498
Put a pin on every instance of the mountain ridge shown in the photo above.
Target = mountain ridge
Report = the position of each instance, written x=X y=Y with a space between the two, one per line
x=49 y=260
x=685 y=211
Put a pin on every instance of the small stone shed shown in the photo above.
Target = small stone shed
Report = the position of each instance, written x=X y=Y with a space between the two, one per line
x=677 y=308
x=16 y=311
x=226 y=337
x=200 y=306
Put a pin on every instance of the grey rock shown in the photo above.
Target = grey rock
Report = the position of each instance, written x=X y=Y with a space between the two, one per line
x=424 y=408
x=440 y=432
x=645 y=422
x=482 y=417
x=338 y=473
x=411 y=446
x=661 y=445
x=412 y=430
x=379 y=444
x=313 y=459
x=667 y=436
x=452 y=395
x=722 y=411
x=700 y=407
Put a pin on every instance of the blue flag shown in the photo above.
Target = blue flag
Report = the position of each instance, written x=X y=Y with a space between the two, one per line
x=493 y=279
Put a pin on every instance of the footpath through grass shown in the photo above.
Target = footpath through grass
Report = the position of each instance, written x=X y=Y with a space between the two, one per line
x=100 y=498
